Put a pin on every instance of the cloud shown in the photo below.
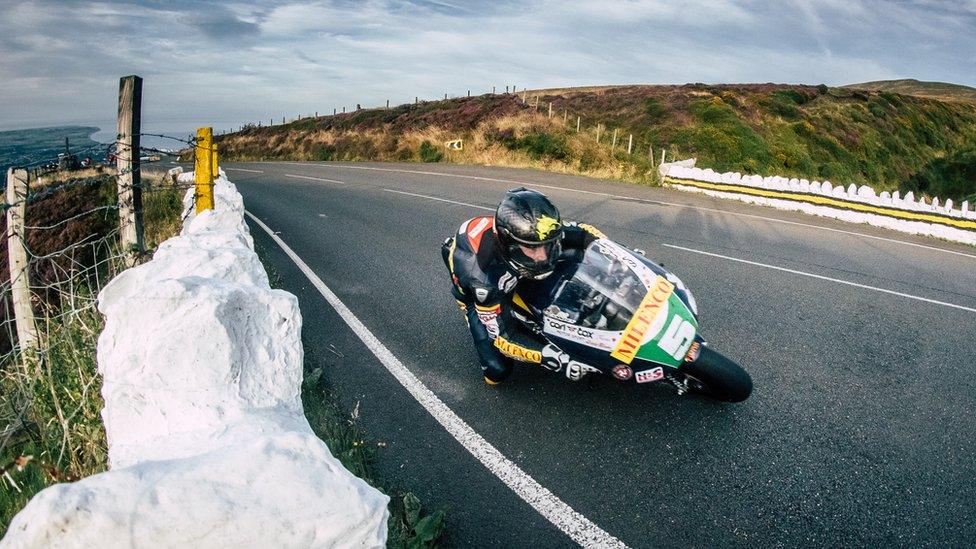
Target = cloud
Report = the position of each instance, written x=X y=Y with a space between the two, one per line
x=241 y=61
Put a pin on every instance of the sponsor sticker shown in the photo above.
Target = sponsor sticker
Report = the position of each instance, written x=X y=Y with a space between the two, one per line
x=622 y=372
x=489 y=318
x=650 y=307
x=517 y=351
x=599 y=339
x=648 y=376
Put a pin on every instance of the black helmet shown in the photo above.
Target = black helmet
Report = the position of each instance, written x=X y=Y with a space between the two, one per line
x=529 y=231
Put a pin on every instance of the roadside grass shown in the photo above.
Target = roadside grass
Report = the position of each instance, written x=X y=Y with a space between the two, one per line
x=844 y=135
x=50 y=406
x=409 y=525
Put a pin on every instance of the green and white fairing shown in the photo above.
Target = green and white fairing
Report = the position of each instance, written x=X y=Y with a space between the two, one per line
x=620 y=308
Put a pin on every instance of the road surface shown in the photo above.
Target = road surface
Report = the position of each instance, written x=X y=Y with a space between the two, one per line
x=860 y=342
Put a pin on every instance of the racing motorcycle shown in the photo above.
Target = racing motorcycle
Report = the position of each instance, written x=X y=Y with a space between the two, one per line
x=618 y=313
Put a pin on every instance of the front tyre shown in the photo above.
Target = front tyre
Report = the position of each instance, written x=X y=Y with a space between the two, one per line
x=718 y=377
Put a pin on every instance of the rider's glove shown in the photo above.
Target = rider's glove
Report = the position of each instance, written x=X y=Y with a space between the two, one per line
x=554 y=358
x=576 y=370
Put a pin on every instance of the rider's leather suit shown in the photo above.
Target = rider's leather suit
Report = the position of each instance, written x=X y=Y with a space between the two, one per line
x=487 y=289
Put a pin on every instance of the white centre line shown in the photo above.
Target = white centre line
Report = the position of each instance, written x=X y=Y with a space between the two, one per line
x=661 y=203
x=821 y=277
x=573 y=524
x=243 y=170
x=315 y=178
x=440 y=199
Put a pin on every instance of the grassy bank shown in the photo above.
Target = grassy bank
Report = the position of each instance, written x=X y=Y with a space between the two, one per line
x=410 y=526
x=879 y=138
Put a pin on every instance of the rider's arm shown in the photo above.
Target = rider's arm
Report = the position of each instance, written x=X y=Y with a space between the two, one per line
x=577 y=236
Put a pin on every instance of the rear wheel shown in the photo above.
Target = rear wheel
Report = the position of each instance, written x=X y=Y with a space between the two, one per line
x=718 y=377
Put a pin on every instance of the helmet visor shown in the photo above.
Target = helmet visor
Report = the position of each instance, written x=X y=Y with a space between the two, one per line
x=536 y=258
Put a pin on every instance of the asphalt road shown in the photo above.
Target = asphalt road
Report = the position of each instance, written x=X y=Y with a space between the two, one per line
x=860 y=431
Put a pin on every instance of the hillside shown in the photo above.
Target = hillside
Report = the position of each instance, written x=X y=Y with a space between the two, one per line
x=847 y=136
x=909 y=86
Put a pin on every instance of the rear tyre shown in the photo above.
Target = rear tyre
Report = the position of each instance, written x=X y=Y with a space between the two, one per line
x=718 y=377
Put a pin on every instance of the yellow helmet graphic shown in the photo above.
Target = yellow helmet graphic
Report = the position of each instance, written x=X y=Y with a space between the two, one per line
x=545 y=226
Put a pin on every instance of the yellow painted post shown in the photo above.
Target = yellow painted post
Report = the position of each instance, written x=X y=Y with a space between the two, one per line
x=203 y=169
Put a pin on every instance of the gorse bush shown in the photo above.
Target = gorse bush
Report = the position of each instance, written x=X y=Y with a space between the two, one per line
x=544 y=145
x=430 y=153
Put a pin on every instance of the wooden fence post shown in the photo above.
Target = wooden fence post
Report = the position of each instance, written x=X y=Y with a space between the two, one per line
x=630 y=143
x=17 y=260
x=650 y=153
x=614 y=144
x=598 y=128
x=203 y=169
x=127 y=151
x=577 y=124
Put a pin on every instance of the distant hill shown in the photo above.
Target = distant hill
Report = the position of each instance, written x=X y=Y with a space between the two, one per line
x=885 y=139
x=909 y=86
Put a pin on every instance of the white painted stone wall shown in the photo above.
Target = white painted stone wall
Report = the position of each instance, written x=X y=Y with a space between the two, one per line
x=863 y=194
x=208 y=442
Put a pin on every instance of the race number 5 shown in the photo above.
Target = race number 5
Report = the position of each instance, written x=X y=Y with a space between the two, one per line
x=677 y=337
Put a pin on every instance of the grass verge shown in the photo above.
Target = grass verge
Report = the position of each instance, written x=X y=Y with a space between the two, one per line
x=409 y=525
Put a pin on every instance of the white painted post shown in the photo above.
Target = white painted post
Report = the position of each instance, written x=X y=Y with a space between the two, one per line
x=662 y=155
x=630 y=143
x=577 y=124
x=550 y=110
x=614 y=144
x=17 y=260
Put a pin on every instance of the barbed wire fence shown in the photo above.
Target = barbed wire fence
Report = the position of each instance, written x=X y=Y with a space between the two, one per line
x=67 y=236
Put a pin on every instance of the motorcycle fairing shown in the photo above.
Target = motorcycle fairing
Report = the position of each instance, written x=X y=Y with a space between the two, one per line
x=616 y=304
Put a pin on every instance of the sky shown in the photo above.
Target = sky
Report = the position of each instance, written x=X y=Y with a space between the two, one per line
x=228 y=63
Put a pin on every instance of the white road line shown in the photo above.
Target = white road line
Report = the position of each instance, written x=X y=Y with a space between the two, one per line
x=243 y=170
x=837 y=280
x=659 y=202
x=576 y=526
x=440 y=199
x=315 y=178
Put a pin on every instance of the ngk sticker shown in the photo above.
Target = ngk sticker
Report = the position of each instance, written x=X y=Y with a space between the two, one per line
x=648 y=376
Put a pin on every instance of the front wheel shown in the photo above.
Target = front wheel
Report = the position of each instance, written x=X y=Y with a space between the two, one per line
x=718 y=377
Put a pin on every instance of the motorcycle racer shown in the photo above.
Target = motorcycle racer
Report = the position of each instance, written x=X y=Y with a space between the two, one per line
x=491 y=257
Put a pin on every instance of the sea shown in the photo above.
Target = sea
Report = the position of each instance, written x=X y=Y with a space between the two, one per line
x=39 y=146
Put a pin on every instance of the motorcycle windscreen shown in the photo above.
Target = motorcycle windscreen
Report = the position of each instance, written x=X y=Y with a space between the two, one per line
x=616 y=303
